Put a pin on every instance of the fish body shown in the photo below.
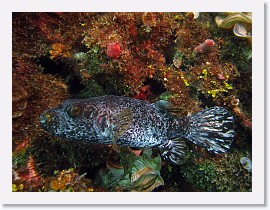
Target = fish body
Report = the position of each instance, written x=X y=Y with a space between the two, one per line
x=136 y=123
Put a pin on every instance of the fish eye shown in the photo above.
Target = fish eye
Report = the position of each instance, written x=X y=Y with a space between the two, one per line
x=75 y=110
x=89 y=112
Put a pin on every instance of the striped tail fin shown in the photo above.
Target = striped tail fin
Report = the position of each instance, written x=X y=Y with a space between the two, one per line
x=212 y=128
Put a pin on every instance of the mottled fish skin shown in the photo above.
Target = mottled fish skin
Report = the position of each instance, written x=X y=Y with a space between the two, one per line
x=131 y=122
x=94 y=124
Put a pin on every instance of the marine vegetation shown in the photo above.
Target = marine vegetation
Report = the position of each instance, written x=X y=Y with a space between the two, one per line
x=133 y=173
x=178 y=67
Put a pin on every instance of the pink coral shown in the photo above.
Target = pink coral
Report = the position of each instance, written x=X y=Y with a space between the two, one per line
x=113 y=50
x=205 y=46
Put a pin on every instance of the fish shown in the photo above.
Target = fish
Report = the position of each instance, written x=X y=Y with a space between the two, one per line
x=125 y=121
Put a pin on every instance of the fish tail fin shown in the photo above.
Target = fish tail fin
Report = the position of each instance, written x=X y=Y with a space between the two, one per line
x=174 y=151
x=212 y=128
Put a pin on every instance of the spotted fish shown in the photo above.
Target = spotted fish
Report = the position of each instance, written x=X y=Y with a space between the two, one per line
x=135 y=123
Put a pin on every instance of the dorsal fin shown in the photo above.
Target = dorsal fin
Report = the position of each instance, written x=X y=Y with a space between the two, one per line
x=167 y=107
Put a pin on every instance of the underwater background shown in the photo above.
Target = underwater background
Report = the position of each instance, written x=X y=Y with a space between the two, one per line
x=193 y=60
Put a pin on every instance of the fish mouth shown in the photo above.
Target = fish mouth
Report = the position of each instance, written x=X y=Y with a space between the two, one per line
x=48 y=120
x=44 y=120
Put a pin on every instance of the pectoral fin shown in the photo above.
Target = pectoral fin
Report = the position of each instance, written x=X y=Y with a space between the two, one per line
x=174 y=151
x=121 y=122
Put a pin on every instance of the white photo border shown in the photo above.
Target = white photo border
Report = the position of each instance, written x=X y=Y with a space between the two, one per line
x=257 y=196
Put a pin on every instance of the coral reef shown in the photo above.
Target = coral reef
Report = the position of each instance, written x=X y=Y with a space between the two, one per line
x=187 y=58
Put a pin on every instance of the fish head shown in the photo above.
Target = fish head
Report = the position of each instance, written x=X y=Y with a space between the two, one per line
x=74 y=120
